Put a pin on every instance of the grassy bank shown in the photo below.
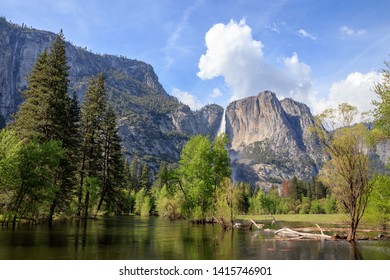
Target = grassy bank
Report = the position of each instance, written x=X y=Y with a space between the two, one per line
x=304 y=218
x=312 y=219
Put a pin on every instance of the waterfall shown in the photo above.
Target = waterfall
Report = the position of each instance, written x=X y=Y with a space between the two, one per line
x=222 y=127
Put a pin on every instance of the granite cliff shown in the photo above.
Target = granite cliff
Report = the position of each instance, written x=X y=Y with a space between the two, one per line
x=152 y=124
x=270 y=139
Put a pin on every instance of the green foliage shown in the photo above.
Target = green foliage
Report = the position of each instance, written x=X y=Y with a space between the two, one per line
x=2 y=122
x=346 y=174
x=144 y=181
x=225 y=197
x=10 y=150
x=168 y=202
x=112 y=176
x=143 y=203
x=269 y=201
x=379 y=206
x=203 y=165
x=330 y=205
x=382 y=106
x=146 y=207
x=48 y=114
x=316 y=208
x=91 y=189
x=304 y=206
x=265 y=203
x=53 y=141
x=286 y=206
x=241 y=202
x=255 y=207
x=28 y=184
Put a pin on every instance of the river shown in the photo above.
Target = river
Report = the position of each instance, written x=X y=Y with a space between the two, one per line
x=132 y=237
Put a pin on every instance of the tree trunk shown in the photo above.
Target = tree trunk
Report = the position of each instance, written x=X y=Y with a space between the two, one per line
x=80 y=190
x=352 y=231
x=101 y=201
x=86 y=205
x=51 y=212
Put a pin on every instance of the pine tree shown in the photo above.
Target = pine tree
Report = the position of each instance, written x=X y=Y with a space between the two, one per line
x=113 y=164
x=161 y=176
x=62 y=125
x=45 y=115
x=134 y=174
x=92 y=115
x=294 y=186
x=144 y=181
x=31 y=121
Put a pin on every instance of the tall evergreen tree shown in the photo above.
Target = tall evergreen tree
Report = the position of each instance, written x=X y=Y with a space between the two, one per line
x=45 y=114
x=113 y=164
x=144 y=181
x=161 y=179
x=134 y=173
x=92 y=115
x=32 y=119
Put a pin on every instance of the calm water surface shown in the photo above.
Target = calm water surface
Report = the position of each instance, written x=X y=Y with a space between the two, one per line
x=120 y=238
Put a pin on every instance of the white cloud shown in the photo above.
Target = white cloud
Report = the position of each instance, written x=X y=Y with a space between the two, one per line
x=305 y=34
x=216 y=93
x=233 y=54
x=187 y=98
x=356 y=89
x=348 y=31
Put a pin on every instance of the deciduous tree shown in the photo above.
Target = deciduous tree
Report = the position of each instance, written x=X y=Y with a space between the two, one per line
x=382 y=106
x=346 y=174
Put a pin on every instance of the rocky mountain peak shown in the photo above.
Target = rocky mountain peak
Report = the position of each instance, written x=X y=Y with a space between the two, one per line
x=271 y=139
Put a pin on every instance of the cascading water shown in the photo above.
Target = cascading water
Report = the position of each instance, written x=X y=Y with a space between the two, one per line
x=222 y=127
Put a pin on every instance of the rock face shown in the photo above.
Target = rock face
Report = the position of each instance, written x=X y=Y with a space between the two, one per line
x=271 y=139
x=153 y=125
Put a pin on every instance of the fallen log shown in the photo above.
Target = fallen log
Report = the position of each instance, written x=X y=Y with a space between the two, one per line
x=259 y=226
x=287 y=233
x=248 y=225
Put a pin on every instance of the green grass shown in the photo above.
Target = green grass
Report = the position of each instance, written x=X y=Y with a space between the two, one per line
x=307 y=218
x=320 y=219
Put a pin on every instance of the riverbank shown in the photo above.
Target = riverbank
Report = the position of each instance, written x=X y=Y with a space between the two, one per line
x=304 y=218
x=330 y=223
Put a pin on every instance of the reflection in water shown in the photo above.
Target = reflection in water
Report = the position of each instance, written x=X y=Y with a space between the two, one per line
x=155 y=238
x=356 y=255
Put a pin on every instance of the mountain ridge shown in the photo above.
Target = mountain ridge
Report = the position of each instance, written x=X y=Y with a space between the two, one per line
x=270 y=139
x=152 y=123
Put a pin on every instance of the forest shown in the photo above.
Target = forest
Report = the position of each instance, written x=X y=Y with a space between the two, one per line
x=62 y=159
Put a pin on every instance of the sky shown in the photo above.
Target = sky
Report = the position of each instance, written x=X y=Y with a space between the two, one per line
x=321 y=53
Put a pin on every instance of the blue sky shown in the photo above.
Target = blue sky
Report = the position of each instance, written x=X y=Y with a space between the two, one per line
x=321 y=53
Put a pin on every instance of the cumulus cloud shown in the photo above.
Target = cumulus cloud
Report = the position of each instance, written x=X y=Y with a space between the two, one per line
x=216 y=93
x=305 y=34
x=348 y=31
x=233 y=54
x=187 y=98
x=356 y=89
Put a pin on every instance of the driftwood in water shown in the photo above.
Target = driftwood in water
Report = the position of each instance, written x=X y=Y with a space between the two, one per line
x=290 y=234
x=248 y=225
x=259 y=226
